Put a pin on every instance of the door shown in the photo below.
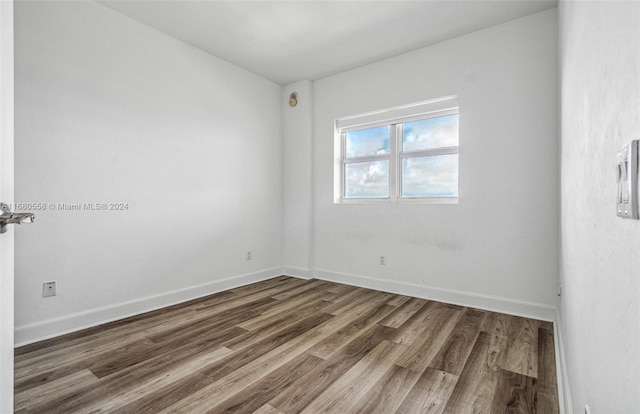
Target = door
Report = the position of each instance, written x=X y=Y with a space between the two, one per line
x=6 y=195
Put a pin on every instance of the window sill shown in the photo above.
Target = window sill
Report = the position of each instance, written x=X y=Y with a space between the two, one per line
x=416 y=200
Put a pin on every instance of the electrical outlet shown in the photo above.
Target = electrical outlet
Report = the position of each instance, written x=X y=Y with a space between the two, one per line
x=248 y=254
x=48 y=289
x=382 y=260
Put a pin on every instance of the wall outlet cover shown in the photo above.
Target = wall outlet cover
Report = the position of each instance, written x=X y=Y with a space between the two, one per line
x=48 y=289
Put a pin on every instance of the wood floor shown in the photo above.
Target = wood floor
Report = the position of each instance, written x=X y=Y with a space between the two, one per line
x=288 y=345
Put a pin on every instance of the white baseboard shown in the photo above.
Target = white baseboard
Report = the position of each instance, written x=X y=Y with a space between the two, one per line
x=298 y=272
x=564 y=393
x=26 y=334
x=493 y=303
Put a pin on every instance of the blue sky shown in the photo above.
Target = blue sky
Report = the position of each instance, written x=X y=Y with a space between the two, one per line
x=421 y=176
x=370 y=141
x=435 y=176
x=367 y=179
x=430 y=133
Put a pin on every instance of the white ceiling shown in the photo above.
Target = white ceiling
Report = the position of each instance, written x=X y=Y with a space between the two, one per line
x=287 y=41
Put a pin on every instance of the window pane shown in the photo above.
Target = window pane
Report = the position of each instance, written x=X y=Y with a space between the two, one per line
x=371 y=141
x=430 y=133
x=433 y=176
x=366 y=179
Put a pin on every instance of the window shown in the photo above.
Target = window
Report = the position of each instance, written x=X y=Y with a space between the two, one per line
x=403 y=154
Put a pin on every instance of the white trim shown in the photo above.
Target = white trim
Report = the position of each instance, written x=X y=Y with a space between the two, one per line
x=298 y=272
x=365 y=158
x=428 y=152
x=393 y=119
x=7 y=245
x=562 y=377
x=26 y=334
x=405 y=113
x=493 y=303
x=29 y=333
x=428 y=200
x=400 y=200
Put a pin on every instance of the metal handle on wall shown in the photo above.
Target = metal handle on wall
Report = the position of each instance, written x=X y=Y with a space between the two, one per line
x=7 y=217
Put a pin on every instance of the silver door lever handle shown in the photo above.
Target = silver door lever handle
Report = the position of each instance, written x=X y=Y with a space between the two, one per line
x=7 y=217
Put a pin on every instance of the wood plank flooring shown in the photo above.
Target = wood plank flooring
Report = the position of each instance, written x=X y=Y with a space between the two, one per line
x=288 y=345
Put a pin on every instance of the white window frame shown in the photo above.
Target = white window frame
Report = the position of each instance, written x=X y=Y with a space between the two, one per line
x=393 y=117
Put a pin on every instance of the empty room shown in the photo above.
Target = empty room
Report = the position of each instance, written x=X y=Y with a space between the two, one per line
x=282 y=207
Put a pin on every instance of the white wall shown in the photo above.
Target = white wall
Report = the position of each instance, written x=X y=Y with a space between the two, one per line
x=6 y=195
x=110 y=110
x=600 y=271
x=498 y=247
x=296 y=175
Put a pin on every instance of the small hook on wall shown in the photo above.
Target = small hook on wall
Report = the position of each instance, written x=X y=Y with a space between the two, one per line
x=293 y=99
